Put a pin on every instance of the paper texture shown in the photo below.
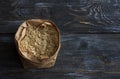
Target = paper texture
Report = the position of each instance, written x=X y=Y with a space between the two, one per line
x=39 y=58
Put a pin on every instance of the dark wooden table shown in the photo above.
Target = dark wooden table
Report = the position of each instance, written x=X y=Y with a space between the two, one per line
x=90 y=38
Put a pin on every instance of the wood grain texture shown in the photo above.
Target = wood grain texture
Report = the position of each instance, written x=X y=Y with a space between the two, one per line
x=9 y=26
x=82 y=56
x=81 y=52
x=89 y=49
x=48 y=74
x=83 y=15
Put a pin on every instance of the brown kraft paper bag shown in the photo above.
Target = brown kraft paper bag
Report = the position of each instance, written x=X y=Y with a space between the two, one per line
x=38 y=43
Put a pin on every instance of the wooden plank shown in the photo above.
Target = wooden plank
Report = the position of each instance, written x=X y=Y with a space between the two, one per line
x=90 y=52
x=9 y=26
x=80 y=52
x=12 y=26
x=47 y=74
x=78 y=16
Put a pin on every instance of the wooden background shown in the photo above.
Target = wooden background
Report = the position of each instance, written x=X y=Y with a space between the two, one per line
x=90 y=38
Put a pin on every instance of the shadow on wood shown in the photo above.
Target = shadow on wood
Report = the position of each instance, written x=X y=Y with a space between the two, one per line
x=9 y=58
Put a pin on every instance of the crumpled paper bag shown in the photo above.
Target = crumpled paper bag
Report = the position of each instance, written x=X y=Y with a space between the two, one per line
x=33 y=62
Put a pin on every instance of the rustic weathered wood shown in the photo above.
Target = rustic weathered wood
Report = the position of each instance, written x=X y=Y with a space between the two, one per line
x=81 y=56
x=9 y=26
x=84 y=16
x=89 y=49
x=48 y=74
x=81 y=52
